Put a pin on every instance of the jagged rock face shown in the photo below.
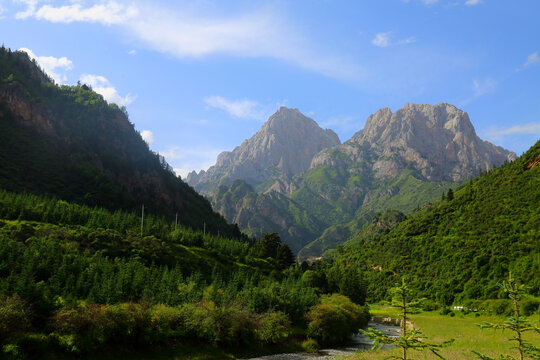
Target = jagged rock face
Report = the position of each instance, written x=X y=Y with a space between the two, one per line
x=438 y=140
x=283 y=147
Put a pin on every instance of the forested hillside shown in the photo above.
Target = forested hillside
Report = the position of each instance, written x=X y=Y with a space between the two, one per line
x=464 y=245
x=68 y=142
x=75 y=279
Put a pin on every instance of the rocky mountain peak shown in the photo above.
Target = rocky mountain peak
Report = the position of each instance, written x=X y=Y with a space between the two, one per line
x=439 y=140
x=283 y=147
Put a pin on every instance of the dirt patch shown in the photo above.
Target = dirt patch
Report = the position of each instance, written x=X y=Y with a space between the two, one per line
x=535 y=161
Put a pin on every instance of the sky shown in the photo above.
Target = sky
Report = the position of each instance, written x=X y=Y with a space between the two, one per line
x=199 y=77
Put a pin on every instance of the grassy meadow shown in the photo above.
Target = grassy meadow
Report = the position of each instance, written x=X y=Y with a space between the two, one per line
x=462 y=328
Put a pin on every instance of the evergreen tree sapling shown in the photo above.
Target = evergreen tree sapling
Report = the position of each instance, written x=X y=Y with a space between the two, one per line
x=515 y=323
x=413 y=339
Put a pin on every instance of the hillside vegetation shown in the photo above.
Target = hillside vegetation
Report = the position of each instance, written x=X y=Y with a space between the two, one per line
x=75 y=279
x=464 y=245
x=67 y=141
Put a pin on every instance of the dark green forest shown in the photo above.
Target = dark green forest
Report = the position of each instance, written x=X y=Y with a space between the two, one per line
x=464 y=245
x=74 y=279
x=67 y=141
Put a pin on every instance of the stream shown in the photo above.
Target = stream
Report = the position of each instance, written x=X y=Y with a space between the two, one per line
x=358 y=343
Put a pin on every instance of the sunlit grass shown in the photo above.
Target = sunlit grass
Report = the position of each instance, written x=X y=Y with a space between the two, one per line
x=462 y=328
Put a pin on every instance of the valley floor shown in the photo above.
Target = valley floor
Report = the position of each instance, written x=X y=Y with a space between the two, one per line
x=463 y=329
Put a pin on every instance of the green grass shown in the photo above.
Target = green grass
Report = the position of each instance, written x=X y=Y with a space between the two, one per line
x=462 y=328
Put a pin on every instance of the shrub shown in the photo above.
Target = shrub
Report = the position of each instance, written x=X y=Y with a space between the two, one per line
x=14 y=318
x=83 y=327
x=310 y=346
x=273 y=327
x=227 y=324
x=429 y=305
x=529 y=306
x=332 y=321
x=166 y=322
x=445 y=311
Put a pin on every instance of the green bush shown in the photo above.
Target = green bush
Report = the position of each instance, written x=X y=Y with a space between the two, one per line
x=218 y=325
x=82 y=327
x=273 y=327
x=310 y=346
x=430 y=305
x=333 y=321
x=529 y=306
x=14 y=319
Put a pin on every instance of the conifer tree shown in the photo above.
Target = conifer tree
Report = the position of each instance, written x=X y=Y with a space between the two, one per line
x=414 y=339
x=515 y=323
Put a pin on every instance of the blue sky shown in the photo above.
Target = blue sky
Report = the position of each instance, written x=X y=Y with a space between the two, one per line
x=199 y=77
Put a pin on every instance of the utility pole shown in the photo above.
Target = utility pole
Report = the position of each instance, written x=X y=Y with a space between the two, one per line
x=176 y=222
x=204 y=229
x=142 y=219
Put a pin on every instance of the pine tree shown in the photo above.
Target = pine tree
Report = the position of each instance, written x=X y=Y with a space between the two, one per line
x=450 y=195
x=515 y=323
x=409 y=339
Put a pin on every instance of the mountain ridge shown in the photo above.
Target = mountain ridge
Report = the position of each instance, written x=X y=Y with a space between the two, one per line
x=400 y=160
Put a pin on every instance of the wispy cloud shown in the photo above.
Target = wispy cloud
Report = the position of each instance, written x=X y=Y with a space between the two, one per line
x=30 y=9
x=147 y=136
x=472 y=2
x=242 y=109
x=384 y=39
x=526 y=129
x=3 y=10
x=532 y=59
x=102 y=85
x=106 y=13
x=184 y=160
x=55 y=67
x=480 y=87
x=381 y=39
x=184 y=33
x=485 y=86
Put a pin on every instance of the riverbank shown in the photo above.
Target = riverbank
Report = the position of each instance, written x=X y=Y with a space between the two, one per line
x=461 y=327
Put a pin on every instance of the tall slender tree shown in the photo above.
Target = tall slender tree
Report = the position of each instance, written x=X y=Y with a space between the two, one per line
x=516 y=324
x=413 y=339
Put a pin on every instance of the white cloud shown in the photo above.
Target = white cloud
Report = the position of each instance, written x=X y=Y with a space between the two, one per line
x=102 y=85
x=429 y=2
x=482 y=87
x=53 y=66
x=147 y=136
x=526 y=129
x=472 y=2
x=532 y=59
x=381 y=39
x=107 y=13
x=132 y=52
x=185 y=33
x=243 y=109
x=184 y=160
x=30 y=9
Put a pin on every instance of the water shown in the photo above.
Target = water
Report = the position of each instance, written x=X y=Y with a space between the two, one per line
x=358 y=343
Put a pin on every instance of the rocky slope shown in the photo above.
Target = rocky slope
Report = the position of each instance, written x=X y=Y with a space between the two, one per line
x=283 y=147
x=438 y=140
